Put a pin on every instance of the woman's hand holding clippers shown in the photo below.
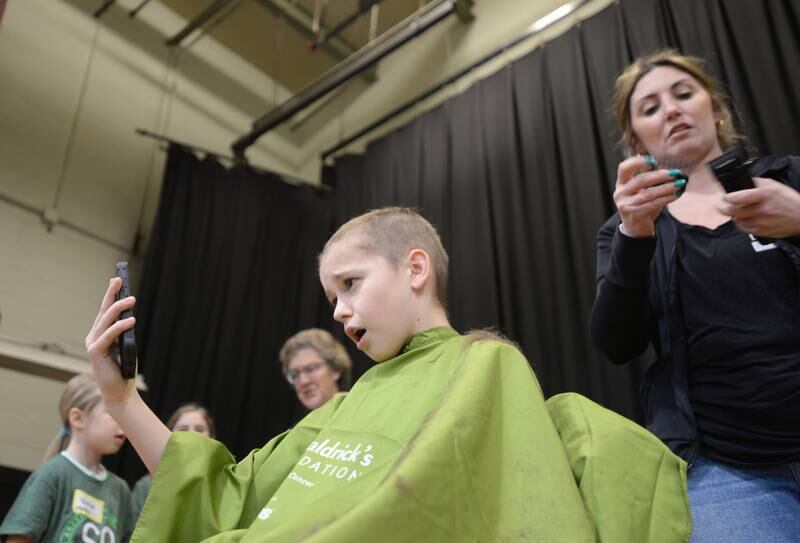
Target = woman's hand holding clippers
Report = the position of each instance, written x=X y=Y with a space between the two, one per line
x=642 y=190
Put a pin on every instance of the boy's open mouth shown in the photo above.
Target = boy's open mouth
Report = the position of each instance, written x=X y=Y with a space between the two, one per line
x=355 y=334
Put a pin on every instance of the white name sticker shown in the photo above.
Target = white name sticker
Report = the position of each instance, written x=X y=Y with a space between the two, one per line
x=88 y=506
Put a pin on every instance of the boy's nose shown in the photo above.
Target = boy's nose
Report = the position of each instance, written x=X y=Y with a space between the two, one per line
x=340 y=312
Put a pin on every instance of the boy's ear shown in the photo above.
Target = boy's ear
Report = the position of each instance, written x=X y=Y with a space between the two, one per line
x=419 y=266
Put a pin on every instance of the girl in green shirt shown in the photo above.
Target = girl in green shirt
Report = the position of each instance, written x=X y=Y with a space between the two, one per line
x=72 y=497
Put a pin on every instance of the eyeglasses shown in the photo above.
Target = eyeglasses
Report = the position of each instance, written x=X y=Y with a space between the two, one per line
x=294 y=375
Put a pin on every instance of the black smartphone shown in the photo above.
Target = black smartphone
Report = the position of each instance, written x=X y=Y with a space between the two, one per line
x=731 y=169
x=127 y=340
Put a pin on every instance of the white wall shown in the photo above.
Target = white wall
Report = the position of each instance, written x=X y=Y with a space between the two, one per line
x=29 y=418
x=72 y=91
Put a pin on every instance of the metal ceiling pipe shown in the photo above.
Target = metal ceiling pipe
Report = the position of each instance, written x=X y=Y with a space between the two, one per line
x=322 y=37
x=428 y=16
x=102 y=9
x=304 y=21
x=215 y=7
x=135 y=11
x=197 y=149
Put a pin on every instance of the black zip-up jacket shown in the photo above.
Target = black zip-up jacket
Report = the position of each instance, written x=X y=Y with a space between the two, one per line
x=637 y=304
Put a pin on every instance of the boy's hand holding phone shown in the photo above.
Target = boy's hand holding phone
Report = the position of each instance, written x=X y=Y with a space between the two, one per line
x=102 y=346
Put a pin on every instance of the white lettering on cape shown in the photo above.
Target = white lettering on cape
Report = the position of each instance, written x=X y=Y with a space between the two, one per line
x=342 y=454
x=295 y=477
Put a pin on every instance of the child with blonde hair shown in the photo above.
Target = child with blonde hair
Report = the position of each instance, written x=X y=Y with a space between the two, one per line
x=446 y=438
x=72 y=497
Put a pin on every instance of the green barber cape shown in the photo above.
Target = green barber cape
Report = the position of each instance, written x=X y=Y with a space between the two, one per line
x=449 y=441
x=633 y=486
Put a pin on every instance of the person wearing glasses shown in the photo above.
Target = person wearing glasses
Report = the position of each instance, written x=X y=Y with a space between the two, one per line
x=316 y=365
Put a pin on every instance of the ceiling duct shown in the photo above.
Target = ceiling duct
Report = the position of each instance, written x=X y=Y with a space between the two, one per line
x=304 y=21
x=206 y=15
x=418 y=23
x=323 y=36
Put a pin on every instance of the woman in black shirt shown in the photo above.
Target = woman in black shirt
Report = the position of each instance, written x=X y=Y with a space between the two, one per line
x=680 y=268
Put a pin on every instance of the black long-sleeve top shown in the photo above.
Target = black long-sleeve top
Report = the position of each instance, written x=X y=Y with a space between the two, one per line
x=638 y=304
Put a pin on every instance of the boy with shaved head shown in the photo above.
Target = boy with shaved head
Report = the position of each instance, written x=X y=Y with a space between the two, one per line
x=446 y=438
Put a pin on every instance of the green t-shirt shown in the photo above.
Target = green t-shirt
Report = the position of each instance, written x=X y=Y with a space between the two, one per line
x=139 y=494
x=63 y=502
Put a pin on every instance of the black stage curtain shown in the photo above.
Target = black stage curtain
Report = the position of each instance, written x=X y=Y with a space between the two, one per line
x=517 y=172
